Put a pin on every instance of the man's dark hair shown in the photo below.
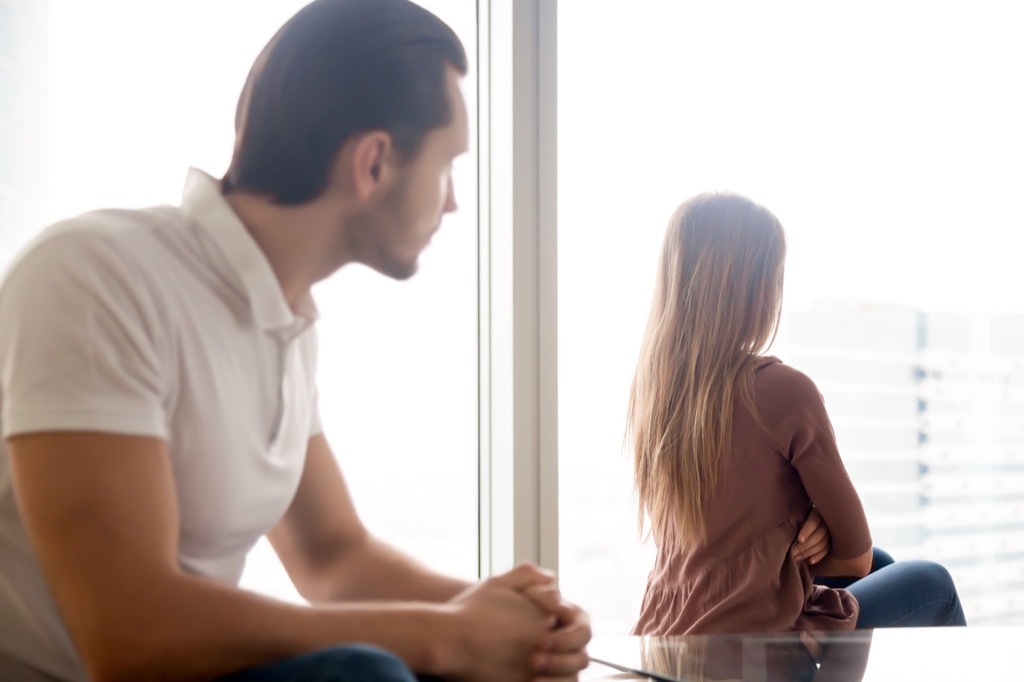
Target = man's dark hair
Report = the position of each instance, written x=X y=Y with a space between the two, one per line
x=337 y=68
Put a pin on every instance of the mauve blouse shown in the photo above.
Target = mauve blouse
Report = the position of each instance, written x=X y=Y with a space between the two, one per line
x=742 y=579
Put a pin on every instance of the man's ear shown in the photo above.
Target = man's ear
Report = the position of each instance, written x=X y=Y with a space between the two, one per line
x=369 y=161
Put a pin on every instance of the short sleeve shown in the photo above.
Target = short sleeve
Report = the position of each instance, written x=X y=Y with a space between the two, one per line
x=79 y=341
x=804 y=435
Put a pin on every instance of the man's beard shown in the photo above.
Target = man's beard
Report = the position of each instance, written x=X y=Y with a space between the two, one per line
x=389 y=218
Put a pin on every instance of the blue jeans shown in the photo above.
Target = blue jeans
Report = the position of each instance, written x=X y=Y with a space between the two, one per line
x=908 y=594
x=904 y=594
x=343 y=663
x=879 y=559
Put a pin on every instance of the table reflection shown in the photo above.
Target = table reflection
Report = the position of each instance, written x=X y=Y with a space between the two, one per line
x=933 y=654
x=780 y=658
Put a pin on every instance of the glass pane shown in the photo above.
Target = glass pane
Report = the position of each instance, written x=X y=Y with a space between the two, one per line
x=890 y=150
x=10 y=161
x=402 y=362
x=131 y=110
x=8 y=32
x=22 y=78
x=8 y=85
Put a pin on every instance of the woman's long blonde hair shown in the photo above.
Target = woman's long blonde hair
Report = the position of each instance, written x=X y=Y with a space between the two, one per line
x=716 y=306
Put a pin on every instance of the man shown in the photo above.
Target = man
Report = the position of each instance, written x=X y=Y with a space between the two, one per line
x=159 y=405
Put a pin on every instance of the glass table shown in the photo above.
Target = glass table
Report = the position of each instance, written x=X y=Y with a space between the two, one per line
x=933 y=654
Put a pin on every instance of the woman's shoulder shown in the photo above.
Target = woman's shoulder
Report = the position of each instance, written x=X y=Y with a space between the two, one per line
x=775 y=381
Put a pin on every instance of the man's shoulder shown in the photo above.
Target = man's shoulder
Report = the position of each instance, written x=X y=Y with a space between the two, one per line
x=82 y=240
x=109 y=226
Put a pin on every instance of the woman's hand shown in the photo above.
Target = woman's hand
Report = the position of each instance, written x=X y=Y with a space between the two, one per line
x=813 y=542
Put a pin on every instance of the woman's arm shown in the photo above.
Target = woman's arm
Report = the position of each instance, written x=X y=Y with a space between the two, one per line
x=806 y=437
x=830 y=567
x=813 y=543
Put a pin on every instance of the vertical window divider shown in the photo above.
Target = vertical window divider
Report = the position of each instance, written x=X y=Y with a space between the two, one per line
x=518 y=285
x=484 y=529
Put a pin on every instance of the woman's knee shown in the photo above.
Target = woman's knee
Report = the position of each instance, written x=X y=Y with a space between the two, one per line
x=936 y=579
x=930 y=573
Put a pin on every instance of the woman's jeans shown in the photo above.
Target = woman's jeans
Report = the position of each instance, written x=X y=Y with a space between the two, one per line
x=343 y=663
x=903 y=594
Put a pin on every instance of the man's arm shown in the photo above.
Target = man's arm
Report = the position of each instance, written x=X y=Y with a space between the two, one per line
x=330 y=555
x=101 y=512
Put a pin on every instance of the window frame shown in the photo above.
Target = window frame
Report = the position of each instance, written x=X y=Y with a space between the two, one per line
x=517 y=68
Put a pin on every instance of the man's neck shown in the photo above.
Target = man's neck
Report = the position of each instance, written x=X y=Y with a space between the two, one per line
x=299 y=242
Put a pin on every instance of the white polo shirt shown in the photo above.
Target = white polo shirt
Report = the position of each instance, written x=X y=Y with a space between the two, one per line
x=165 y=322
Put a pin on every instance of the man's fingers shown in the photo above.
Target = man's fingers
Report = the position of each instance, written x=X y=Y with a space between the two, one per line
x=523 y=576
x=566 y=639
x=552 y=665
x=572 y=636
x=562 y=652
x=547 y=598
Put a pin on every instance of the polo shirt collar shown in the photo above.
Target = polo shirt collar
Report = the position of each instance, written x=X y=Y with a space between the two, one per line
x=203 y=201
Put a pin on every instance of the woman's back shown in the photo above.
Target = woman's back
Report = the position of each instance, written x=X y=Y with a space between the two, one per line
x=732 y=449
x=742 y=578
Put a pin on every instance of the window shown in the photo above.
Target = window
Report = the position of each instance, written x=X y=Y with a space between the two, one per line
x=887 y=141
x=22 y=145
x=8 y=31
x=10 y=161
x=7 y=96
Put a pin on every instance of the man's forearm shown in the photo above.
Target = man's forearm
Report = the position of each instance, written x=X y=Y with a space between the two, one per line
x=207 y=630
x=376 y=571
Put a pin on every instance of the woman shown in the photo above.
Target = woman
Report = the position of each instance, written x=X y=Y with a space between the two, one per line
x=733 y=449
